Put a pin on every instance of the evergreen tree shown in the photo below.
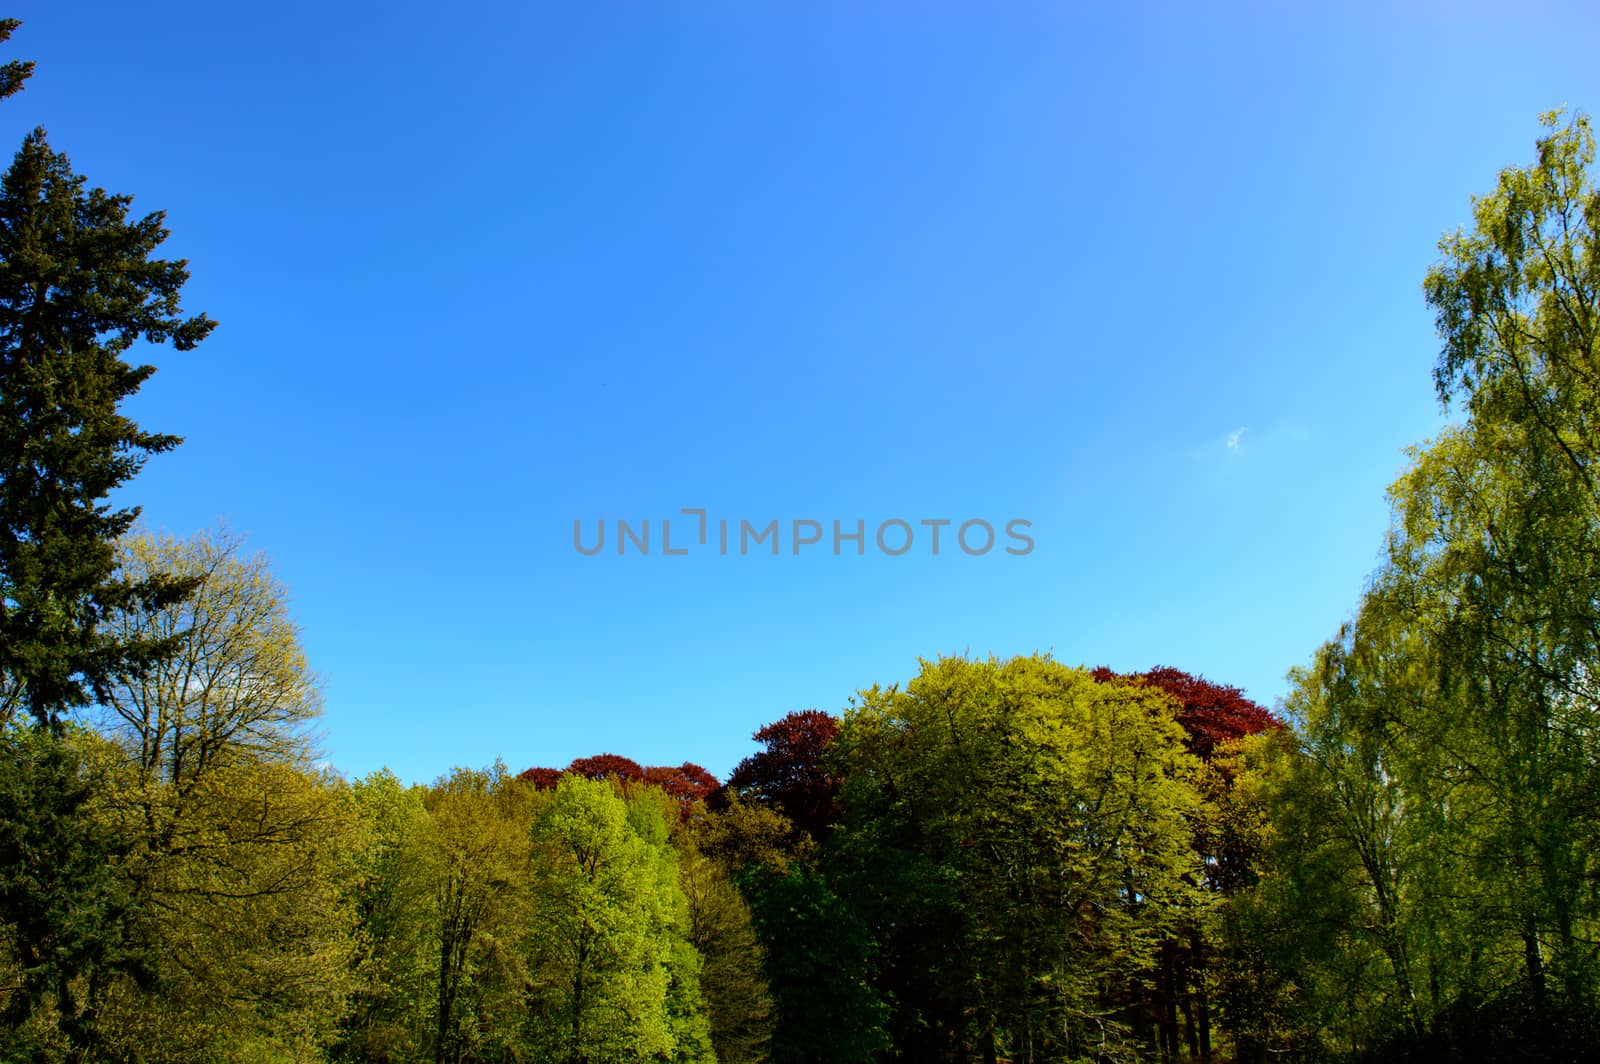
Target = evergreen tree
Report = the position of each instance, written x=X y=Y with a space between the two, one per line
x=77 y=289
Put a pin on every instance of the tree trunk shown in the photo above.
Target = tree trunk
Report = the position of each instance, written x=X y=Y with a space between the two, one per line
x=1533 y=958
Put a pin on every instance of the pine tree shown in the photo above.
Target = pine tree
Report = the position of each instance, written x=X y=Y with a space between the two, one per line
x=78 y=289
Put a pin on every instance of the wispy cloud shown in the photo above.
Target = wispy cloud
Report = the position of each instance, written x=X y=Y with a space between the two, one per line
x=1235 y=436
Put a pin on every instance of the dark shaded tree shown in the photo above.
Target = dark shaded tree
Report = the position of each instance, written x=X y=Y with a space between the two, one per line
x=819 y=965
x=17 y=71
x=78 y=288
x=71 y=914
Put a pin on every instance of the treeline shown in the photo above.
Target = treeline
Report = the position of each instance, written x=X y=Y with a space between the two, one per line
x=1001 y=860
x=1006 y=858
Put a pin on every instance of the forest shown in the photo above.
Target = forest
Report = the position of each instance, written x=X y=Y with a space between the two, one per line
x=998 y=860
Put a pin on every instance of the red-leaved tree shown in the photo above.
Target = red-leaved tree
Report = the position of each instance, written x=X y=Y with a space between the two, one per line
x=607 y=767
x=688 y=782
x=543 y=778
x=790 y=773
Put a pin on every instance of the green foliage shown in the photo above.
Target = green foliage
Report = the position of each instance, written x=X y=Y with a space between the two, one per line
x=745 y=834
x=71 y=912
x=616 y=978
x=391 y=1013
x=247 y=901
x=234 y=685
x=237 y=851
x=819 y=957
x=1019 y=836
x=15 y=72
x=1433 y=836
x=738 y=1001
x=77 y=288
x=480 y=910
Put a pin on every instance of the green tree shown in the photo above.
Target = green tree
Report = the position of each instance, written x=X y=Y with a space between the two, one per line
x=609 y=918
x=1018 y=836
x=391 y=1015
x=819 y=961
x=481 y=878
x=78 y=288
x=237 y=848
x=1498 y=529
x=1434 y=832
x=235 y=685
x=732 y=977
x=650 y=812
x=69 y=916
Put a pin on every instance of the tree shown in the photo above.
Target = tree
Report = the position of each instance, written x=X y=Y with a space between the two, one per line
x=14 y=73
x=481 y=872
x=237 y=847
x=738 y=1002
x=1517 y=302
x=545 y=779
x=1212 y=714
x=390 y=1018
x=610 y=979
x=607 y=767
x=235 y=685
x=792 y=774
x=742 y=834
x=1018 y=836
x=819 y=962
x=688 y=782
x=78 y=288
x=1500 y=521
x=248 y=916
x=1432 y=832
x=71 y=920
x=1215 y=719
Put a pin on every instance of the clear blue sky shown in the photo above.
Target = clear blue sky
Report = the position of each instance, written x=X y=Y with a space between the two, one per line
x=485 y=268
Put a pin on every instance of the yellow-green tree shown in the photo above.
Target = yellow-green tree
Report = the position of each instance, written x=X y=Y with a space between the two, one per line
x=392 y=1008
x=612 y=978
x=732 y=980
x=239 y=846
x=1020 y=836
x=1435 y=831
x=481 y=907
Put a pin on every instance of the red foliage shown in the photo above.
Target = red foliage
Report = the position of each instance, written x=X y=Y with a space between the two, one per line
x=1212 y=713
x=543 y=778
x=686 y=783
x=790 y=772
x=607 y=767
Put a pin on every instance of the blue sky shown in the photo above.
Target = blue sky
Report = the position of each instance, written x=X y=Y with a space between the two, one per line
x=488 y=268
